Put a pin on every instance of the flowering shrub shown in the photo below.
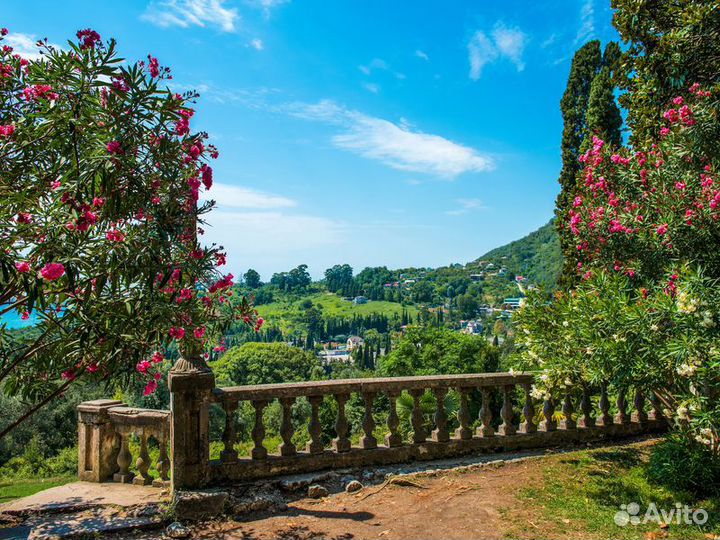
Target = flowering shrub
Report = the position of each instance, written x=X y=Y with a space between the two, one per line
x=609 y=331
x=100 y=178
x=640 y=210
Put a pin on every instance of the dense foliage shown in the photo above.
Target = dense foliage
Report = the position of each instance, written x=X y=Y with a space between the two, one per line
x=100 y=178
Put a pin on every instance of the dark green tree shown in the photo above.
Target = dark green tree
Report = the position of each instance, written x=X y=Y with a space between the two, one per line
x=672 y=44
x=585 y=65
x=252 y=279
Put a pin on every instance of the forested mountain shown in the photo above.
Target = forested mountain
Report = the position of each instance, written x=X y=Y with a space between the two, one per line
x=536 y=256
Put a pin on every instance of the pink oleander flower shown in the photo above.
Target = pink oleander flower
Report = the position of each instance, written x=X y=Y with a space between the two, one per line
x=664 y=131
x=25 y=316
x=153 y=66
x=22 y=266
x=662 y=229
x=143 y=367
x=7 y=130
x=157 y=357
x=150 y=387
x=92 y=368
x=177 y=333
x=114 y=147
x=69 y=375
x=88 y=38
x=199 y=332
x=52 y=271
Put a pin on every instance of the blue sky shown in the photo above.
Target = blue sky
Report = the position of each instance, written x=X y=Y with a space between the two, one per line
x=374 y=133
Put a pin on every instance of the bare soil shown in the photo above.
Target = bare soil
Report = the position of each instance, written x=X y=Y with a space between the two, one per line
x=453 y=505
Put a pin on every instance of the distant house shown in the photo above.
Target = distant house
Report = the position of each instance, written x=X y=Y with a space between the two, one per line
x=502 y=271
x=360 y=300
x=477 y=277
x=511 y=304
x=353 y=342
x=471 y=327
x=337 y=356
x=520 y=279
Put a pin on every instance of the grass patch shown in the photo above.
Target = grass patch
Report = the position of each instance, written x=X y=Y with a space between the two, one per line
x=580 y=493
x=15 y=489
x=287 y=312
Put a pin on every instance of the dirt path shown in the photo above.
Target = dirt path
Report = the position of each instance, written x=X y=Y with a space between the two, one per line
x=455 y=504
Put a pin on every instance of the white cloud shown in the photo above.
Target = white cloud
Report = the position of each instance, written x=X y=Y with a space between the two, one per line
x=481 y=51
x=186 y=13
x=396 y=145
x=465 y=206
x=272 y=240
x=25 y=45
x=421 y=54
x=257 y=44
x=503 y=42
x=511 y=43
x=372 y=87
x=587 y=22
x=378 y=64
x=228 y=196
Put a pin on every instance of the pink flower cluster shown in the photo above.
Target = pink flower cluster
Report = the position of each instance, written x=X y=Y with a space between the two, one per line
x=88 y=38
x=40 y=91
x=7 y=130
x=52 y=271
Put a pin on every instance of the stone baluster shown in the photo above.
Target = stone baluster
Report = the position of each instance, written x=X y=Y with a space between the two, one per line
x=506 y=413
x=416 y=418
x=485 y=429
x=586 y=420
x=548 y=424
x=656 y=413
x=528 y=424
x=639 y=415
x=124 y=457
x=622 y=416
x=229 y=454
x=142 y=463
x=440 y=433
x=163 y=462
x=604 y=404
x=258 y=431
x=287 y=448
x=393 y=438
x=341 y=443
x=315 y=446
x=568 y=410
x=368 y=441
x=464 y=432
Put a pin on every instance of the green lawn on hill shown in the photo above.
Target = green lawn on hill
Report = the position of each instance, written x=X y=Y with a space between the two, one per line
x=284 y=311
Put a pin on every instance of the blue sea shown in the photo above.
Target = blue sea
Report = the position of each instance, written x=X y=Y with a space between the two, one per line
x=13 y=320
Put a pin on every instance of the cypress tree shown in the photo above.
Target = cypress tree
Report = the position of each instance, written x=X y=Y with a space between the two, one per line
x=603 y=115
x=574 y=104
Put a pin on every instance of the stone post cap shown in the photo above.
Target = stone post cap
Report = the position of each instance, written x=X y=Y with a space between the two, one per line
x=191 y=381
x=93 y=411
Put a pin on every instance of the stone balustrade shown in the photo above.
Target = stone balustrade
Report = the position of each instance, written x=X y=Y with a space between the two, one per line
x=498 y=426
x=104 y=430
x=508 y=418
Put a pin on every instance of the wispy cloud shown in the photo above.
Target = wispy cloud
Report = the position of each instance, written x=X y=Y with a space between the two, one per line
x=378 y=64
x=422 y=55
x=396 y=145
x=465 y=206
x=25 y=45
x=503 y=42
x=257 y=44
x=587 y=22
x=229 y=196
x=372 y=87
x=186 y=13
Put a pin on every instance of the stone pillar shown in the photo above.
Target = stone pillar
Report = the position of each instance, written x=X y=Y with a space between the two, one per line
x=97 y=441
x=190 y=383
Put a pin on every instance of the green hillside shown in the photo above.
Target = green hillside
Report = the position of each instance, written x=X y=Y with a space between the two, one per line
x=536 y=256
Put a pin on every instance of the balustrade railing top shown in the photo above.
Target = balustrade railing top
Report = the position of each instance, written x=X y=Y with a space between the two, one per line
x=505 y=416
